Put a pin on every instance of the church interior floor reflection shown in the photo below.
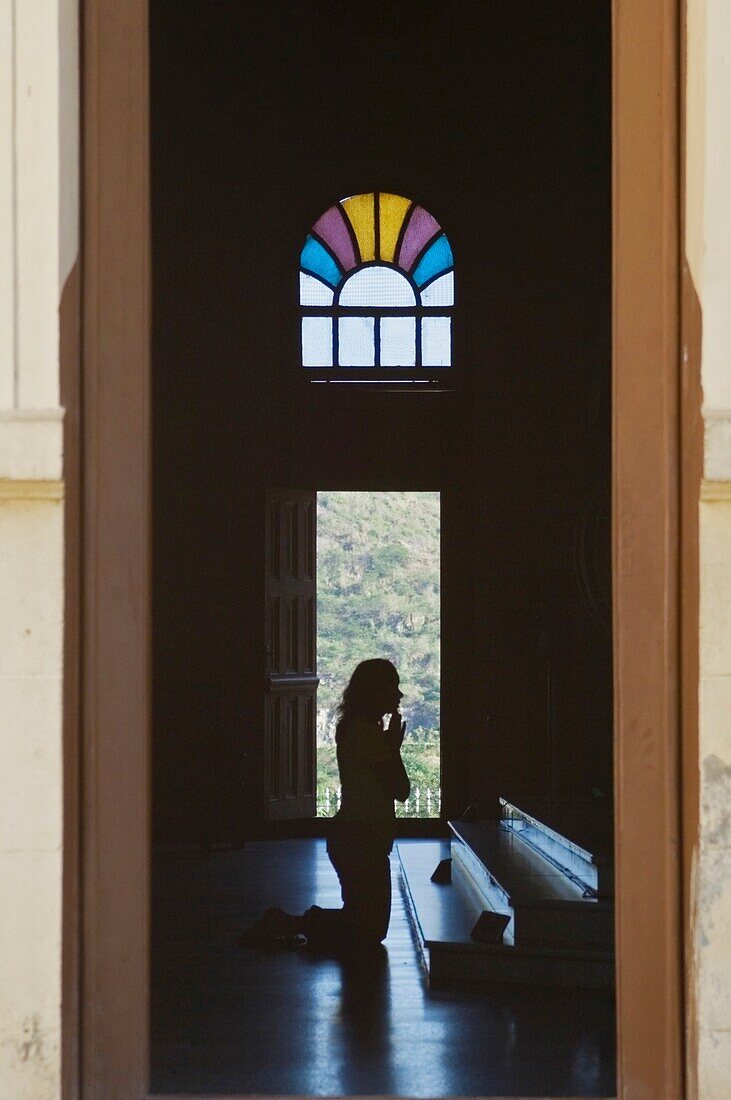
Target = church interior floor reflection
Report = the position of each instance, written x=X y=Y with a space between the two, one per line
x=228 y=1021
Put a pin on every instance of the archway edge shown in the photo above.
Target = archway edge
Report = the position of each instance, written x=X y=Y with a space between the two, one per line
x=114 y=589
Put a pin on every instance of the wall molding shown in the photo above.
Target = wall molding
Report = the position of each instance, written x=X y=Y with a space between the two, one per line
x=56 y=413
x=715 y=490
x=50 y=489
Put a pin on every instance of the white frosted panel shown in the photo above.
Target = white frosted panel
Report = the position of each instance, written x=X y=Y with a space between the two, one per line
x=357 y=346
x=436 y=341
x=377 y=286
x=398 y=341
x=317 y=342
x=440 y=292
x=313 y=292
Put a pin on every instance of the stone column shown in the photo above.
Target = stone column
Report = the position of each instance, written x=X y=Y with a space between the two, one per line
x=708 y=249
x=38 y=250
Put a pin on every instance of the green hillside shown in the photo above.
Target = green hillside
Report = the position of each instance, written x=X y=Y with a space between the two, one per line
x=378 y=596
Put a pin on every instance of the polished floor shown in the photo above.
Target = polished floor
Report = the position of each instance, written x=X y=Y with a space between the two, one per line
x=229 y=1021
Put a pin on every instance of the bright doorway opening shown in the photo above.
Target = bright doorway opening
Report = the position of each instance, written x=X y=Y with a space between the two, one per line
x=378 y=595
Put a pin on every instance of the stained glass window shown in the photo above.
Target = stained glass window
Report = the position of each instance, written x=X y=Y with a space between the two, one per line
x=376 y=287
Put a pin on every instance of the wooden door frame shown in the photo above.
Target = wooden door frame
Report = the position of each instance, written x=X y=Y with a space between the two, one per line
x=112 y=797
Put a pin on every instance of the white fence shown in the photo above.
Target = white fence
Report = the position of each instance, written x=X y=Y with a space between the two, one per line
x=422 y=802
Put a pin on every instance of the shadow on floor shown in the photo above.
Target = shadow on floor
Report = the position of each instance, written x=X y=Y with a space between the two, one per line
x=292 y=1023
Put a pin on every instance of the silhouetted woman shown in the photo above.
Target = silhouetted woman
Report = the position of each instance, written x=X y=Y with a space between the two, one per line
x=361 y=834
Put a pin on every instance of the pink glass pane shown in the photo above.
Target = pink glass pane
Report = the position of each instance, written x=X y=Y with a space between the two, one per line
x=422 y=226
x=333 y=231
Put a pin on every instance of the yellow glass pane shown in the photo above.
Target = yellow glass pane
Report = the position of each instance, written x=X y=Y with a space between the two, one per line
x=361 y=213
x=392 y=213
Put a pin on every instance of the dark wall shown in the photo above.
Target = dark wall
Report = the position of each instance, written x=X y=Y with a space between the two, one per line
x=495 y=116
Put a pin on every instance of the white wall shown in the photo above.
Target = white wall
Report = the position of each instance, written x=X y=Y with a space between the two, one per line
x=708 y=246
x=38 y=247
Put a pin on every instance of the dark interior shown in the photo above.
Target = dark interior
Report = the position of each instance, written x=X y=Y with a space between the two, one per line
x=496 y=117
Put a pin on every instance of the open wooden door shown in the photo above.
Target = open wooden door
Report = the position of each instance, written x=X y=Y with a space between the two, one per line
x=291 y=654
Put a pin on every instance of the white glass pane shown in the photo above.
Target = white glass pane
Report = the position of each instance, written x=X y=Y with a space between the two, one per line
x=313 y=292
x=317 y=342
x=436 y=341
x=440 y=292
x=357 y=347
x=398 y=341
x=377 y=286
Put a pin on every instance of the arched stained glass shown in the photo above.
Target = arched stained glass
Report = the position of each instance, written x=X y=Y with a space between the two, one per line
x=376 y=286
x=439 y=292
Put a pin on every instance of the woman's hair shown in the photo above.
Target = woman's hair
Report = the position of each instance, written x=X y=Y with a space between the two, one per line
x=360 y=696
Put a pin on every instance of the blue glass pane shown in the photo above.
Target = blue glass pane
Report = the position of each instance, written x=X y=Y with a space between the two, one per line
x=318 y=260
x=435 y=260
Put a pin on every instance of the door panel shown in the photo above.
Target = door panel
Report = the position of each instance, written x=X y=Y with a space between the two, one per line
x=291 y=652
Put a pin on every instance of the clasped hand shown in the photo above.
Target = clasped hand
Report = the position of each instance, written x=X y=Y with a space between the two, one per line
x=395 y=730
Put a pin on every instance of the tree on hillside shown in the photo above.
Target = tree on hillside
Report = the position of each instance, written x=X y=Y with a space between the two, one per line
x=378 y=596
